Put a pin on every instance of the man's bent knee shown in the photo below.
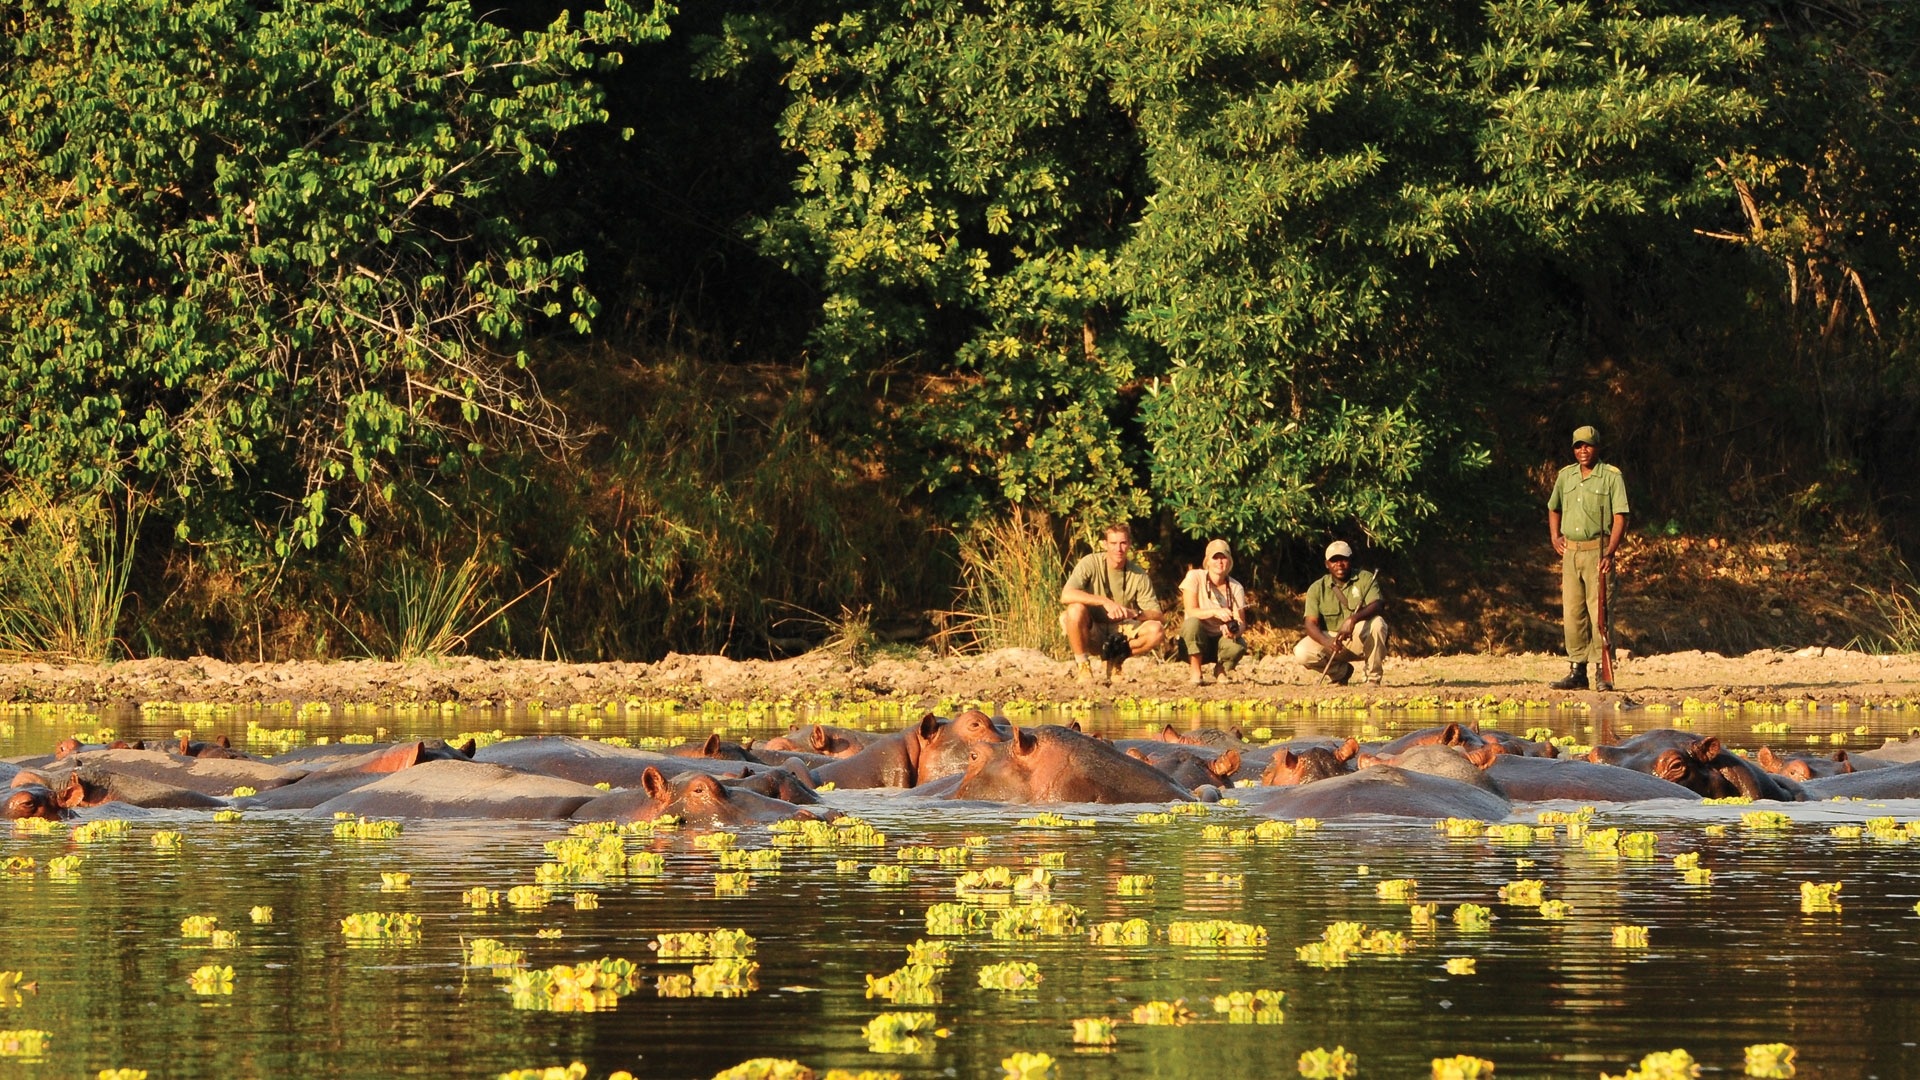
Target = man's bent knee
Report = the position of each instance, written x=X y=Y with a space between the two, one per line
x=1148 y=636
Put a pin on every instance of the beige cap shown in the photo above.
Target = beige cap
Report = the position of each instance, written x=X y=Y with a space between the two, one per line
x=1339 y=547
x=1219 y=547
x=1586 y=433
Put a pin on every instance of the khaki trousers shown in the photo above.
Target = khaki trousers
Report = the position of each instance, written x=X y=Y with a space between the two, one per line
x=1580 y=603
x=1370 y=635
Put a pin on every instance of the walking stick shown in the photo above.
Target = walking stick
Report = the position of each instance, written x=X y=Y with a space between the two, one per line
x=1606 y=636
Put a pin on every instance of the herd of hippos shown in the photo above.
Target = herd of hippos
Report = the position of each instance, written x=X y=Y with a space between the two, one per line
x=1439 y=772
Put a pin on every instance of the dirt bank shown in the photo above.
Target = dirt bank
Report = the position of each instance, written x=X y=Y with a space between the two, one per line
x=1813 y=674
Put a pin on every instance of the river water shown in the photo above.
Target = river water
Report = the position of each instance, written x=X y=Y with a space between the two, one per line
x=1734 y=962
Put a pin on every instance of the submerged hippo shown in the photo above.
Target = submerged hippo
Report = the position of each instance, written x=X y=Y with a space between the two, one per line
x=458 y=788
x=31 y=800
x=345 y=775
x=1383 y=791
x=1054 y=764
x=89 y=785
x=1537 y=779
x=1310 y=763
x=1802 y=767
x=923 y=751
x=696 y=799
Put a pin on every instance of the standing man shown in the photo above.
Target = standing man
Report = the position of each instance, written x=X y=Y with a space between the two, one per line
x=1108 y=596
x=1343 y=609
x=1586 y=517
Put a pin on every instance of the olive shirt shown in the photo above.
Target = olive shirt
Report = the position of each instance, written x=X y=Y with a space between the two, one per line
x=1127 y=586
x=1588 y=503
x=1333 y=602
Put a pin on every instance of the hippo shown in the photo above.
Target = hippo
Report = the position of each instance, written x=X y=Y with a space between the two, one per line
x=1054 y=764
x=1506 y=742
x=585 y=761
x=1640 y=751
x=926 y=750
x=220 y=747
x=1445 y=735
x=1707 y=768
x=786 y=783
x=1901 y=781
x=1537 y=779
x=340 y=777
x=696 y=799
x=1287 y=768
x=30 y=800
x=1189 y=769
x=70 y=746
x=714 y=747
x=832 y=742
x=459 y=788
x=1893 y=752
x=1384 y=791
x=1803 y=767
x=89 y=785
x=1228 y=738
x=1452 y=762
x=206 y=775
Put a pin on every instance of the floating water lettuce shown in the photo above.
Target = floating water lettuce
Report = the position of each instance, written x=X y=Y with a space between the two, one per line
x=224 y=939
x=1164 y=1014
x=1819 y=896
x=719 y=840
x=1051 y=820
x=64 y=867
x=1766 y=821
x=94 y=832
x=1129 y=932
x=395 y=881
x=955 y=919
x=1461 y=828
x=1396 y=889
x=1323 y=1064
x=199 y=926
x=1134 y=884
x=1217 y=932
x=1012 y=975
x=1774 y=1061
x=727 y=976
x=121 y=1074
x=165 y=840
x=491 y=952
x=912 y=984
x=1461 y=965
x=901 y=1033
x=590 y=987
x=393 y=926
x=366 y=829
x=1555 y=909
x=1251 y=1006
x=1472 y=917
x=586 y=901
x=1095 y=1031
x=1664 y=1065
x=1630 y=937
x=1341 y=940
x=529 y=897
x=480 y=898
x=1526 y=892
x=228 y=816
x=959 y=855
x=27 y=1044
x=1035 y=919
x=212 y=979
x=1424 y=915
x=1462 y=1067
x=736 y=881
x=766 y=1069
x=1024 y=1066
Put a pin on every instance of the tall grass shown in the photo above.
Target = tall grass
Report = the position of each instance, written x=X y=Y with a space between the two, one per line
x=1010 y=571
x=1899 y=611
x=435 y=608
x=64 y=568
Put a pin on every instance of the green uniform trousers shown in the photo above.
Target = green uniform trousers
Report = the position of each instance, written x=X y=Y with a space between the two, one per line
x=1580 y=601
x=1371 y=639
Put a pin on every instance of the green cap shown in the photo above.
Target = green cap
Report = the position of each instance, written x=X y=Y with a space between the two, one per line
x=1586 y=433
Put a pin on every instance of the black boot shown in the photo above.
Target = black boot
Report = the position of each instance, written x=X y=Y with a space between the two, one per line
x=1576 y=679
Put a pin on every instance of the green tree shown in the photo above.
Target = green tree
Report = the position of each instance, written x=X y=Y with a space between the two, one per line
x=1230 y=259
x=261 y=258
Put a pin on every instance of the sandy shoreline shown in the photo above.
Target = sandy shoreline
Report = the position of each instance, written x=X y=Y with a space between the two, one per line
x=1812 y=674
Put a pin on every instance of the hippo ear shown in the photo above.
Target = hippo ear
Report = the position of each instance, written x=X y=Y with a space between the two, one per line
x=221 y=742
x=466 y=749
x=1136 y=753
x=1167 y=734
x=1236 y=731
x=819 y=740
x=1547 y=749
x=1075 y=726
x=654 y=784
x=1226 y=764
x=74 y=794
x=1846 y=763
x=1706 y=749
x=1287 y=760
x=1671 y=765
x=120 y=744
x=929 y=727
x=66 y=747
x=711 y=748
x=186 y=748
x=1451 y=735
x=1023 y=742
x=1769 y=760
x=1348 y=750
x=404 y=756
x=1483 y=754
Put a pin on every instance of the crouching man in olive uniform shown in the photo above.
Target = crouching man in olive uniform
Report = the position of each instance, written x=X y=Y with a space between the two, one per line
x=1586 y=518
x=1343 y=622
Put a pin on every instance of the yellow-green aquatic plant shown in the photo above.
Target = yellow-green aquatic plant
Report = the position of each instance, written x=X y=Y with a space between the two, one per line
x=1461 y=965
x=227 y=816
x=1630 y=937
x=212 y=979
x=395 y=881
x=1462 y=1067
x=1773 y=1061
x=1024 y=1066
x=1129 y=932
x=199 y=926
x=1216 y=932
x=889 y=875
x=491 y=952
x=766 y=1069
x=1766 y=821
x=529 y=897
x=395 y=926
x=727 y=976
x=106 y=829
x=1323 y=1064
x=900 y=1033
x=64 y=867
x=166 y=840
x=28 y=1044
x=1251 y=1006
x=955 y=919
x=1663 y=1065
x=1820 y=896
x=1472 y=917
x=1035 y=919
x=1012 y=975
x=1164 y=1014
x=912 y=984
x=1134 y=884
x=224 y=939
x=1555 y=909
x=480 y=898
x=1396 y=889
x=1095 y=1031
x=367 y=829
x=121 y=1074
x=1525 y=892
x=693 y=944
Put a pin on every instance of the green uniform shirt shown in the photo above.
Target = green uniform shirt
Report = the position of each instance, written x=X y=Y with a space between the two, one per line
x=1127 y=586
x=1333 y=602
x=1587 y=503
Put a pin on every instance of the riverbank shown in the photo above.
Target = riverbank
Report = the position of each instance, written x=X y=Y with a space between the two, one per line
x=1813 y=674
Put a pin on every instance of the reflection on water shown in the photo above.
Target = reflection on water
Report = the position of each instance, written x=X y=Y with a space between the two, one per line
x=1727 y=964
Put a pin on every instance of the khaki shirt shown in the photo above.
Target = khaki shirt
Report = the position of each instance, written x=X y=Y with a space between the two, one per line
x=1333 y=602
x=1127 y=586
x=1587 y=503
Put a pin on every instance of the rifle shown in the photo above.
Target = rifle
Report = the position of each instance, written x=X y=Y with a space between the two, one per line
x=1606 y=635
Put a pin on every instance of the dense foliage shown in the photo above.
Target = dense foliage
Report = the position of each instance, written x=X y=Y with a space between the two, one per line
x=310 y=282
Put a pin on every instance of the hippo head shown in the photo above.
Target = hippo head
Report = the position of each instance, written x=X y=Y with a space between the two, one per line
x=66 y=748
x=32 y=801
x=81 y=791
x=939 y=748
x=1313 y=763
x=1697 y=768
x=697 y=798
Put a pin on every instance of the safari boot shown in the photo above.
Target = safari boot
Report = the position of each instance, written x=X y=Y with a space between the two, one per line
x=1576 y=678
x=1340 y=673
x=1083 y=670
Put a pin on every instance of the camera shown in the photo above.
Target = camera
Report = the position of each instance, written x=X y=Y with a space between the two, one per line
x=1233 y=627
x=1115 y=649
